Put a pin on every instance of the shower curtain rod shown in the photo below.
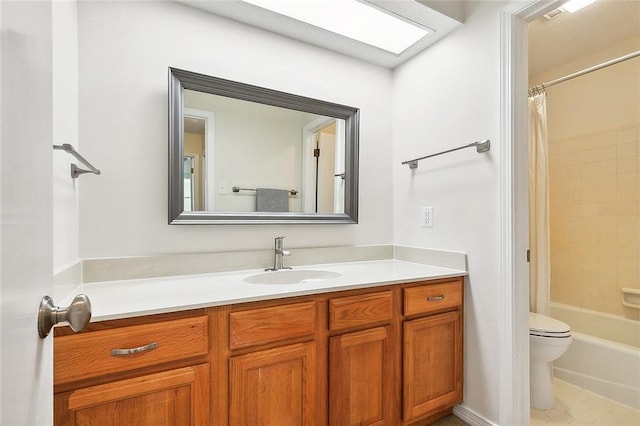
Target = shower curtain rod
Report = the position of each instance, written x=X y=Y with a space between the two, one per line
x=540 y=88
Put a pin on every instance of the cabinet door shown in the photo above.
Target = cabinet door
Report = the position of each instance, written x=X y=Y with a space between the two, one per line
x=432 y=368
x=275 y=387
x=172 y=398
x=360 y=378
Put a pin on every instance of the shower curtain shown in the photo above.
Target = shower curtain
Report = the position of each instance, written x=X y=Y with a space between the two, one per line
x=539 y=245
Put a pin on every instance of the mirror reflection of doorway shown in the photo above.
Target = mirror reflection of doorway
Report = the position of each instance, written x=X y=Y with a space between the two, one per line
x=323 y=167
x=194 y=169
x=324 y=154
x=189 y=190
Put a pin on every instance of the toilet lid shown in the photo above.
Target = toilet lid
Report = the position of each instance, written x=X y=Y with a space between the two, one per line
x=542 y=325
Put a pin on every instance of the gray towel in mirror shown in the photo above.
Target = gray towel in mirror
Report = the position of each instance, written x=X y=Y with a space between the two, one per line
x=272 y=200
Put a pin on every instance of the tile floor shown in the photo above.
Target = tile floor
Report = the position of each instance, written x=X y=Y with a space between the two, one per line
x=576 y=406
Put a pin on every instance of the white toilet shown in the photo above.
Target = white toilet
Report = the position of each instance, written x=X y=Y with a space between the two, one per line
x=548 y=339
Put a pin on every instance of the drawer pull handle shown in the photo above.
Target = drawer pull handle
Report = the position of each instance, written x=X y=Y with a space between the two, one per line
x=435 y=298
x=145 y=348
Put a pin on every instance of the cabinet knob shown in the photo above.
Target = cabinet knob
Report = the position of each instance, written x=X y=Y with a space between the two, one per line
x=78 y=314
x=435 y=298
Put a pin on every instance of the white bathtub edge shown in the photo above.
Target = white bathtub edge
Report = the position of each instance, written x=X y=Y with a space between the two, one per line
x=605 y=326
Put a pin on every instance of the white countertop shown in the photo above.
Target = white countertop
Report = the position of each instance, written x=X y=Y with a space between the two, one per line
x=131 y=298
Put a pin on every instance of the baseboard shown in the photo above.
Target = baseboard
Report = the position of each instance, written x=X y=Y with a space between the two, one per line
x=471 y=417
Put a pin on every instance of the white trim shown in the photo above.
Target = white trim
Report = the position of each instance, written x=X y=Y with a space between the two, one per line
x=340 y=167
x=514 y=304
x=471 y=417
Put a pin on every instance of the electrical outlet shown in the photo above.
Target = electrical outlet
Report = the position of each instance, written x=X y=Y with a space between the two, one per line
x=427 y=217
x=222 y=188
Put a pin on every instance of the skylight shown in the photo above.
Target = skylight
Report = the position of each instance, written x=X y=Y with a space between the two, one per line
x=570 y=6
x=350 y=18
x=575 y=5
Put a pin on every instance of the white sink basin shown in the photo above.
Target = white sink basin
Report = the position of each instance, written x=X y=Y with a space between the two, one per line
x=288 y=276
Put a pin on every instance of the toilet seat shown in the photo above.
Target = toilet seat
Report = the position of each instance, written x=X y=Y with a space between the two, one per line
x=544 y=326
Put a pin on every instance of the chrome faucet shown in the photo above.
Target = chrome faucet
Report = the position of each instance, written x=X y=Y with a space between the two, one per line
x=278 y=254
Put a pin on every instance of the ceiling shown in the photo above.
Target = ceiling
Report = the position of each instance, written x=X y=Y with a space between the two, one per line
x=440 y=16
x=570 y=36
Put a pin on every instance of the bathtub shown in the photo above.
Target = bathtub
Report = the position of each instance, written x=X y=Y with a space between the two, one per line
x=604 y=356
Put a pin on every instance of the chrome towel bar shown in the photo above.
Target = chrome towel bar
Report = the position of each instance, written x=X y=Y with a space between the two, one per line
x=75 y=170
x=238 y=189
x=481 y=146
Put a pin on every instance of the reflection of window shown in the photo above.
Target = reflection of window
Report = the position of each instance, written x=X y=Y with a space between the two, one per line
x=188 y=184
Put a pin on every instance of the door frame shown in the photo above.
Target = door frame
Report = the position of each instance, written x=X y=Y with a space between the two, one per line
x=208 y=169
x=513 y=354
x=340 y=168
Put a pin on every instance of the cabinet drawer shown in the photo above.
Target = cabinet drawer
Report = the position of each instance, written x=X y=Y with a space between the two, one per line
x=428 y=298
x=84 y=355
x=273 y=324
x=355 y=311
x=174 y=397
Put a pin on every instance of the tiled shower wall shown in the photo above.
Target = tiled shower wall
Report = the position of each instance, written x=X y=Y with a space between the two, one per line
x=594 y=186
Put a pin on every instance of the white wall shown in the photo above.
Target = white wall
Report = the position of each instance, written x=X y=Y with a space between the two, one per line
x=65 y=130
x=446 y=97
x=125 y=50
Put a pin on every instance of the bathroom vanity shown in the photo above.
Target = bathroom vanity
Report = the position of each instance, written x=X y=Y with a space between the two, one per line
x=386 y=354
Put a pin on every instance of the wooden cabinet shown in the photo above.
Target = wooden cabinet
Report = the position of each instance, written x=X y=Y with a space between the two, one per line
x=432 y=354
x=178 y=397
x=431 y=348
x=360 y=310
x=361 y=361
x=273 y=324
x=426 y=299
x=390 y=355
x=148 y=373
x=273 y=371
x=361 y=378
x=274 y=387
x=112 y=350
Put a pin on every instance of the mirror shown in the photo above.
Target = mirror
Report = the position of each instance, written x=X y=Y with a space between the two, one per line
x=243 y=154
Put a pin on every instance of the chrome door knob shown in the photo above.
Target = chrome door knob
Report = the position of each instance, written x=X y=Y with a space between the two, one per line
x=78 y=314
